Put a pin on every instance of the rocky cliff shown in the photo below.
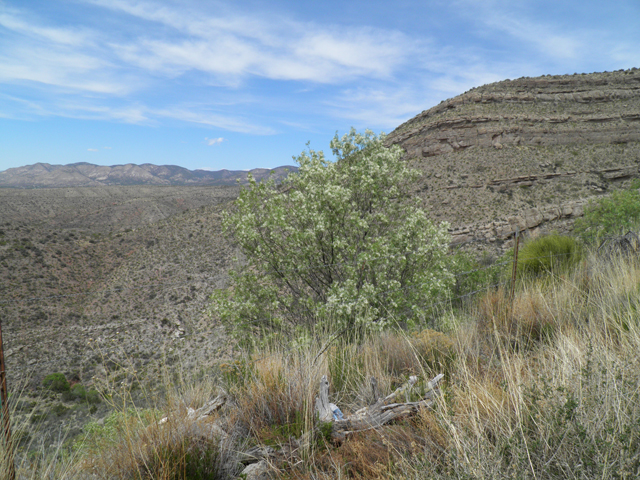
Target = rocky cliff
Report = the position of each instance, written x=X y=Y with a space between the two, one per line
x=525 y=153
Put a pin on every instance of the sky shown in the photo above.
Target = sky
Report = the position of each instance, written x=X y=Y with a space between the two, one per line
x=249 y=83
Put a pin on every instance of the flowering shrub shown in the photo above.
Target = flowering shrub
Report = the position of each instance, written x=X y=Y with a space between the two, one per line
x=339 y=240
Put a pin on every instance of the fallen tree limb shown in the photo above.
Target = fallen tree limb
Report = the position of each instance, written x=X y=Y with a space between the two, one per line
x=378 y=414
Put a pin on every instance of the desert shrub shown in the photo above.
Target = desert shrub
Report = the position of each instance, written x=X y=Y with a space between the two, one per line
x=612 y=215
x=93 y=397
x=547 y=254
x=56 y=382
x=77 y=392
x=344 y=240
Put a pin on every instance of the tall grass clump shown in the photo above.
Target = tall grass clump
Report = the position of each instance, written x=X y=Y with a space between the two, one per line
x=164 y=441
x=548 y=254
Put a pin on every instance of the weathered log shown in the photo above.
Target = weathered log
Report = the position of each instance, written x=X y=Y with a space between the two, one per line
x=381 y=412
x=207 y=409
x=322 y=401
x=374 y=390
x=210 y=407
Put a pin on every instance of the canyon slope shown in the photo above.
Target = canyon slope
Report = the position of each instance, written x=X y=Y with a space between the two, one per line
x=525 y=154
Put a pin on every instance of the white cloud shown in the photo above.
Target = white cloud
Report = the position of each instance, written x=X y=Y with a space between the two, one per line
x=69 y=36
x=201 y=116
x=213 y=141
x=231 y=46
x=107 y=148
x=92 y=149
x=141 y=68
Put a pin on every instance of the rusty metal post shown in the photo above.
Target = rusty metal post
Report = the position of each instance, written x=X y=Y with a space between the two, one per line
x=4 y=403
x=515 y=265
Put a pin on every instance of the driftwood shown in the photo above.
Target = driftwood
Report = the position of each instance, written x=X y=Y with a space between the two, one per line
x=382 y=411
x=628 y=244
x=207 y=409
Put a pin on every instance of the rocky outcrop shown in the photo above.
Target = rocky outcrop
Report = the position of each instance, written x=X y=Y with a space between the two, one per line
x=541 y=111
x=525 y=221
x=517 y=146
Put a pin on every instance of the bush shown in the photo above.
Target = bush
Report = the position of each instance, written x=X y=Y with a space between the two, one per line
x=56 y=382
x=342 y=240
x=613 y=215
x=551 y=253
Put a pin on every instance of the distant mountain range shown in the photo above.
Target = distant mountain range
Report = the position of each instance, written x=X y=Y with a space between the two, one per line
x=44 y=175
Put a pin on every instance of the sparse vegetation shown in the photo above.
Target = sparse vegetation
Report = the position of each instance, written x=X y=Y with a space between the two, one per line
x=613 y=215
x=544 y=386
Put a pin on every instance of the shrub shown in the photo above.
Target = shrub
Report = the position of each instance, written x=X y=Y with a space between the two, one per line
x=551 y=253
x=344 y=240
x=93 y=397
x=56 y=382
x=613 y=215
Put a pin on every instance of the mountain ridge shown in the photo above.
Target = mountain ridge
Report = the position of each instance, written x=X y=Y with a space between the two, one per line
x=84 y=174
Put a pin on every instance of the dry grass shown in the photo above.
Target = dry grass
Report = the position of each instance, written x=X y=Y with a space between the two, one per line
x=544 y=387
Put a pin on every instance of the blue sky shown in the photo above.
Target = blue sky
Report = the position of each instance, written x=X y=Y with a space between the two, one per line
x=247 y=83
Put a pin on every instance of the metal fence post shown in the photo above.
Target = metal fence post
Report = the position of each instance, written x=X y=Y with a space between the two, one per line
x=515 y=265
x=6 y=422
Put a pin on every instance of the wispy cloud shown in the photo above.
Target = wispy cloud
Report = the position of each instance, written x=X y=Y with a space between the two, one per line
x=230 y=46
x=12 y=21
x=214 y=141
x=92 y=149
x=160 y=62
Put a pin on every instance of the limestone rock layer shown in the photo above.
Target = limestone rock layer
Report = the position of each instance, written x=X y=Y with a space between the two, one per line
x=503 y=149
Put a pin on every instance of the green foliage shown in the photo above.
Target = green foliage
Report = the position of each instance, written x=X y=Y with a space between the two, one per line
x=56 y=382
x=612 y=215
x=114 y=427
x=59 y=409
x=326 y=430
x=343 y=240
x=93 y=397
x=551 y=253
x=79 y=392
x=474 y=274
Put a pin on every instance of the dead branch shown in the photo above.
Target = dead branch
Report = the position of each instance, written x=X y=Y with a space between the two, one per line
x=383 y=411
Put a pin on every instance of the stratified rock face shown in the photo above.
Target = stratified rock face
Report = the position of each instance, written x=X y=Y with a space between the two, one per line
x=499 y=150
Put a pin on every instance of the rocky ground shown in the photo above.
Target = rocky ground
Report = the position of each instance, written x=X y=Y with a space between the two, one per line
x=106 y=305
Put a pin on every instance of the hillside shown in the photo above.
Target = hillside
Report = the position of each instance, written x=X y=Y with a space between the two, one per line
x=94 y=279
x=94 y=300
x=526 y=152
x=44 y=175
